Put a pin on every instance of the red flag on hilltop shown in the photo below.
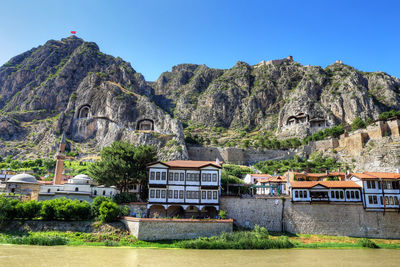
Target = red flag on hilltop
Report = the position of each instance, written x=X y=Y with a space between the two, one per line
x=73 y=32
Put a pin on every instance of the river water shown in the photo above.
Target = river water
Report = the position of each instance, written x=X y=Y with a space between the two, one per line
x=91 y=256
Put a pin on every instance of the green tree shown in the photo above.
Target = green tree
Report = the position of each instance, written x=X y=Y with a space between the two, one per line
x=123 y=164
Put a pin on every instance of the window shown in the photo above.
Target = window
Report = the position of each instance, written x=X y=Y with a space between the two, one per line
x=152 y=193
x=203 y=194
x=163 y=176
x=305 y=194
x=152 y=175
x=208 y=194
x=214 y=194
x=381 y=200
x=214 y=177
x=391 y=200
x=176 y=176
x=301 y=194
x=162 y=193
x=352 y=194
x=197 y=177
x=372 y=185
x=386 y=201
x=189 y=177
x=181 y=194
x=208 y=177
x=332 y=194
x=77 y=189
x=379 y=185
x=182 y=176
x=157 y=193
x=296 y=194
x=341 y=195
x=337 y=194
x=357 y=195
x=396 y=201
x=395 y=185
x=169 y=193
x=347 y=194
x=157 y=175
x=95 y=192
x=203 y=179
x=170 y=176
x=176 y=194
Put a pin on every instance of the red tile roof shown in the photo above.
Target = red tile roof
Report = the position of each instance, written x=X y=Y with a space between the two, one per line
x=189 y=164
x=328 y=184
x=377 y=175
x=271 y=178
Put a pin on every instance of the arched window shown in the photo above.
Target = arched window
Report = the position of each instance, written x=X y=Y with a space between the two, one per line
x=104 y=192
x=357 y=194
x=391 y=200
x=347 y=194
x=12 y=190
x=48 y=190
x=76 y=189
x=352 y=194
x=296 y=194
x=95 y=192
x=84 y=112
x=341 y=195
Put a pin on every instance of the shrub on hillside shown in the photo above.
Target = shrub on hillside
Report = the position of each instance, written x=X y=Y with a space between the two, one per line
x=108 y=211
x=96 y=203
x=358 y=123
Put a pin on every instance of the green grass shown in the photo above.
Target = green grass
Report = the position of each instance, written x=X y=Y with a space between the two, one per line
x=259 y=238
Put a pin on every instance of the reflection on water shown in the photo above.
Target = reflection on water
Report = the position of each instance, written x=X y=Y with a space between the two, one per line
x=91 y=256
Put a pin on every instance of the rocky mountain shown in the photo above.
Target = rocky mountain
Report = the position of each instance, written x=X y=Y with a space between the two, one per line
x=273 y=94
x=70 y=86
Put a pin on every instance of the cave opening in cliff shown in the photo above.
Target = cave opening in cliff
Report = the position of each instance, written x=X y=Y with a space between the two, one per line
x=84 y=112
x=145 y=125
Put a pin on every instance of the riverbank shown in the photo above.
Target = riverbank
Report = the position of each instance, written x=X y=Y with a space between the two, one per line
x=236 y=240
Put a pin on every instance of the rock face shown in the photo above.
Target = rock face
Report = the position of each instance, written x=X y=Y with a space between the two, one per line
x=306 y=98
x=70 y=86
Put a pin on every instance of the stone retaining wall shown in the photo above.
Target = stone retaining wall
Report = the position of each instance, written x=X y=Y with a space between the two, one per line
x=168 y=229
x=62 y=226
x=278 y=214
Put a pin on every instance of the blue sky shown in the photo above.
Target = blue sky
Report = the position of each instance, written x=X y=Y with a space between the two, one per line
x=156 y=35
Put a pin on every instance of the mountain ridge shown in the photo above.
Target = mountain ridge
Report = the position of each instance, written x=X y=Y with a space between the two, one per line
x=50 y=85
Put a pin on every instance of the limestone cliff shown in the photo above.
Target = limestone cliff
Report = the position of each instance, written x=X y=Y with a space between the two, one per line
x=70 y=86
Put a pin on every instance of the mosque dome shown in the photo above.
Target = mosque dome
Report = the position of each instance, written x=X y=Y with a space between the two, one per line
x=81 y=179
x=23 y=178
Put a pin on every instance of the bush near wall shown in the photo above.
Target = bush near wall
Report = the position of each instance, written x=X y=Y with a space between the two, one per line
x=60 y=209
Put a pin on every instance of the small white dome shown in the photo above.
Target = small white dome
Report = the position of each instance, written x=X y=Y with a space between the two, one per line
x=23 y=178
x=81 y=179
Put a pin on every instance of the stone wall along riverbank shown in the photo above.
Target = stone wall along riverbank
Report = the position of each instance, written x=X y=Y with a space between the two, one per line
x=168 y=229
x=281 y=214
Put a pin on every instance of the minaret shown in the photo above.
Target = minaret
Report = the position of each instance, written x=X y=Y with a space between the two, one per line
x=60 y=156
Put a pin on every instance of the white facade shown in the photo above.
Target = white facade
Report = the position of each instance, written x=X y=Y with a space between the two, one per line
x=80 y=187
x=184 y=186
x=326 y=191
x=379 y=193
